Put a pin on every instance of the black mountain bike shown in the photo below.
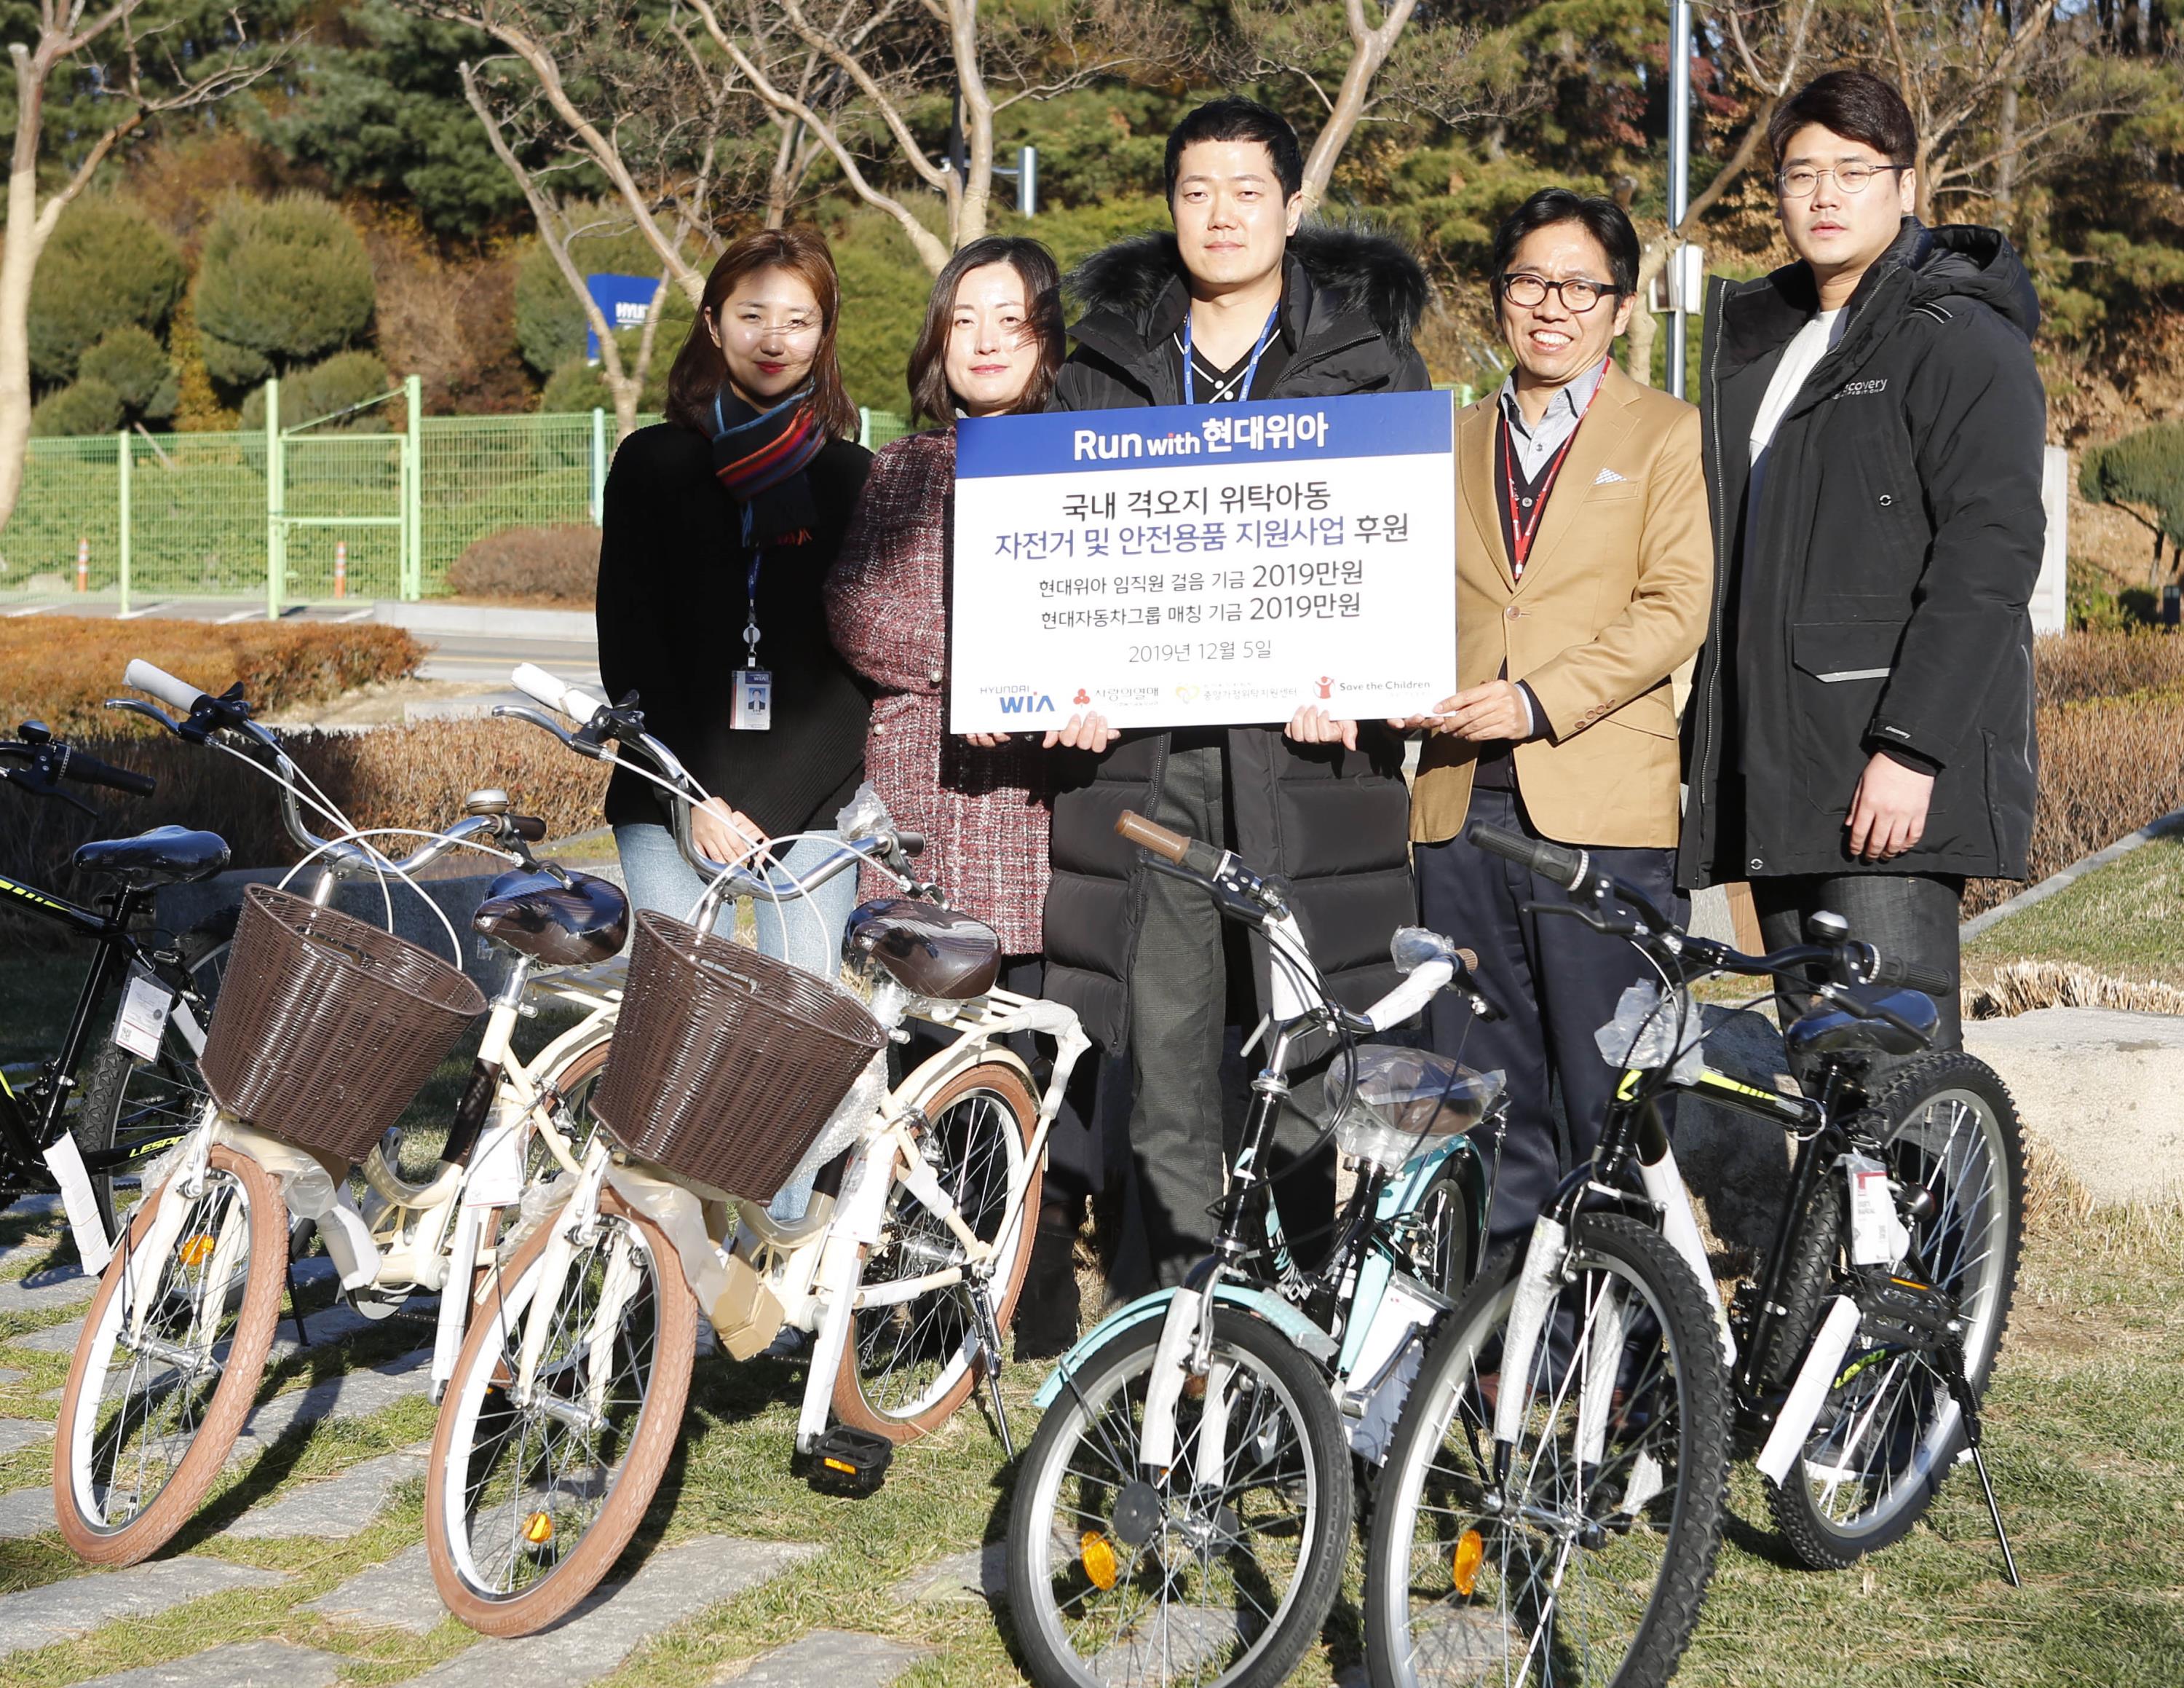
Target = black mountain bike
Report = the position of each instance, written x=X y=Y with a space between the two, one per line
x=114 y=1093
x=1553 y=1499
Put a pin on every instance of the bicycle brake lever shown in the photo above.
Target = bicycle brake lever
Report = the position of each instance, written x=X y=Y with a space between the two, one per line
x=1599 y=923
x=1864 y=1010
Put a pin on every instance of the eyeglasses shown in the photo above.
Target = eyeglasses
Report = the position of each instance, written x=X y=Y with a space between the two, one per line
x=1577 y=293
x=1851 y=178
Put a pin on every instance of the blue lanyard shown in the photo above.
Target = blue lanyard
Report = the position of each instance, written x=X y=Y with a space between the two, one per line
x=1250 y=369
x=750 y=610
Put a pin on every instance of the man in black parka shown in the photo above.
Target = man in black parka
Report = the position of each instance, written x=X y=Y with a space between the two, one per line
x=1860 y=736
x=1275 y=312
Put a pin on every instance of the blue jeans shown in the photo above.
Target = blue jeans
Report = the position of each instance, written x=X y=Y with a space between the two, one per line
x=806 y=931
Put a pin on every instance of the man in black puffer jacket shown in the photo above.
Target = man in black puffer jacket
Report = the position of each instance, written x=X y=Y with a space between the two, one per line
x=1268 y=311
x=1860 y=735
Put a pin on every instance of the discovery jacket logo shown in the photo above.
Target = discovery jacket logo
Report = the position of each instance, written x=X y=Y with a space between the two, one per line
x=1858 y=389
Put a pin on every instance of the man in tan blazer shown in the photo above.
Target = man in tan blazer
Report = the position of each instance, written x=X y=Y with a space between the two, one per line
x=1584 y=579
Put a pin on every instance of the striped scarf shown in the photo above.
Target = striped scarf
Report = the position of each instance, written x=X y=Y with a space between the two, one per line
x=761 y=457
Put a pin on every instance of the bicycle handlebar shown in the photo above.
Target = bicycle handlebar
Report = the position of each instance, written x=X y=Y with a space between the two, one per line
x=1559 y=862
x=1893 y=970
x=75 y=764
x=176 y=694
x=207 y=713
x=557 y=694
x=1173 y=847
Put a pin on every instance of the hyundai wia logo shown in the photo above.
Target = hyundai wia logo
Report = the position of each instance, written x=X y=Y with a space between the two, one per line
x=1027 y=703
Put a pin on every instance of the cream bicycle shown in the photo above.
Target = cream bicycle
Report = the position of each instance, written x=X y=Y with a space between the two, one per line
x=332 y=1026
x=736 y=1076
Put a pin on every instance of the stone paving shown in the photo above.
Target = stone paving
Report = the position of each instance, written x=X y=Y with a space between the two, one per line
x=26 y=1512
x=334 y=1506
x=397 y=1595
x=827 y=1658
x=242 y=1664
x=47 y=1290
x=20 y=1433
x=610 y=1625
x=61 y=1611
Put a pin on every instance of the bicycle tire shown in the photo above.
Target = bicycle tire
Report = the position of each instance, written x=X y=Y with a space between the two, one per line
x=1442 y=1238
x=161 y=1097
x=483 y=1366
x=1819 y=1539
x=176 y=1500
x=936 y=1322
x=1687 y=1439
x=1286 y=1381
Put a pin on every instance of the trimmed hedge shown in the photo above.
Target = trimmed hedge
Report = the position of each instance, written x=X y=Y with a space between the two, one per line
x=393 y=776
x=558 y=563
x=61 y=670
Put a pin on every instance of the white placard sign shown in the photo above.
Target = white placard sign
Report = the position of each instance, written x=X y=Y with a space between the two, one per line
x=1204 y=565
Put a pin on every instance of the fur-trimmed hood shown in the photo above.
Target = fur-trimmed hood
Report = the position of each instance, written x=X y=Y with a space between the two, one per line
x=1361 y=271
x=1351 y=302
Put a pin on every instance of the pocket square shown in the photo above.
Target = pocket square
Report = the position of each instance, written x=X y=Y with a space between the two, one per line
x=1605 y=478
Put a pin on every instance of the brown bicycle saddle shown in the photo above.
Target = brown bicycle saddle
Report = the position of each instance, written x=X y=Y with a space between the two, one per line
x=930 y=951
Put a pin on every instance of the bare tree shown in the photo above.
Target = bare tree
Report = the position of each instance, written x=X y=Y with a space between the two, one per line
x=895 y=53
x=1360 y=58
x=561 y=218
x=1768 y=45
x=134 y=63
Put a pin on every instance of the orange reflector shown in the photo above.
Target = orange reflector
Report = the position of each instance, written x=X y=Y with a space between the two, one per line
x=1470 y=1555
x=841 y=1466
x=197 y=1250
x=1097 y=1554
x=538 y=1530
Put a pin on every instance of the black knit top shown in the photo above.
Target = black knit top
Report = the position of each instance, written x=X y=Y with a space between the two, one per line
x=673 y=573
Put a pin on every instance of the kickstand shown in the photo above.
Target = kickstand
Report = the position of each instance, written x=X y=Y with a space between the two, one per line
x=296 y=1307
x=989 y=1339
x=1968 y=1404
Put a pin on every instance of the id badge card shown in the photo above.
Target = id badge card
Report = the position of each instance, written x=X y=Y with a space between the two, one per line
x=750 y=700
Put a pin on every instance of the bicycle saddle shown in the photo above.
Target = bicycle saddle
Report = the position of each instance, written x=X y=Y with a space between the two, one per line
x=1829 y=1030
x=571 y=925
x=930 y=951
x=166 y=855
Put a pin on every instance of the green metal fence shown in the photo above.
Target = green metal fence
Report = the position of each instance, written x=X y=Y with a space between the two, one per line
x=136 y=517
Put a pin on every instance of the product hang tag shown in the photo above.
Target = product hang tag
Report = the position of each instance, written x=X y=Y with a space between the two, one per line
x=1878 y=1236
x=145 y=1006
x=65 y=1160
x=750 y=702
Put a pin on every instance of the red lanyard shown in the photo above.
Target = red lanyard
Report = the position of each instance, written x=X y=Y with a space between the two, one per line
x=1521 y=531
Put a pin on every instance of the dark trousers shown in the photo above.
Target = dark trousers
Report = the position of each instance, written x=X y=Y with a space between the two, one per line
x=1559 y=982
x=1913 y=916
x=1190 y=981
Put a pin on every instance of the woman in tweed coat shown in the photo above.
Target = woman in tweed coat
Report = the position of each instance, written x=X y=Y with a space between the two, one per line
x=991 y=344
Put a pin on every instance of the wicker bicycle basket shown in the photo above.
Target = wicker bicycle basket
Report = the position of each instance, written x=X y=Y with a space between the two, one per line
x=726 y=1063
x=325 y=1026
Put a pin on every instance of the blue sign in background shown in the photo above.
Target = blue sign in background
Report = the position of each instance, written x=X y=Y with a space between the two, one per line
x=1359 y=425
x=622 y=300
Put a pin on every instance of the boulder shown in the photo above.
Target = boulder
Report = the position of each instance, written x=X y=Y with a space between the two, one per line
x=2104 y=1087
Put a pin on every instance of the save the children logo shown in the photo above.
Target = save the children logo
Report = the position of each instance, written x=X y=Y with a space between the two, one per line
x=1326 y=686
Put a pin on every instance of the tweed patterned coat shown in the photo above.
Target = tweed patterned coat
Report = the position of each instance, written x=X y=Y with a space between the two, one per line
x=984 y=813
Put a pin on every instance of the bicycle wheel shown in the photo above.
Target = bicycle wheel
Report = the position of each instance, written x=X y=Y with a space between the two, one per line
x=1889 y=1431
x=1216 y=1576
x=150 y=1411
x=1438 y=1236
x=910 y=1360
x=528 y=1504
x=1583 y=1565
x=142 y=1106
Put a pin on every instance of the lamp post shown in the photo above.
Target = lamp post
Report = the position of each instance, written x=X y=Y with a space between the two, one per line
x=1680 y=183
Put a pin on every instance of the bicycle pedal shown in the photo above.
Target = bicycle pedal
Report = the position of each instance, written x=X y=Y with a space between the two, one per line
x=850 y=1461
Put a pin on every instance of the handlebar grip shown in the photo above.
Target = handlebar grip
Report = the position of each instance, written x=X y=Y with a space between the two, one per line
x=176 y=694
x=89 y=769
x=528 y=827
x=910 y=843
x=1555 y=862
x=1893 y=970
x=1153 y=836
x=535 y=682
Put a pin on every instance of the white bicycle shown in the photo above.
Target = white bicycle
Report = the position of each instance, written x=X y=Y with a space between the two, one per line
x=180 y=1329
x=567 y=1398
